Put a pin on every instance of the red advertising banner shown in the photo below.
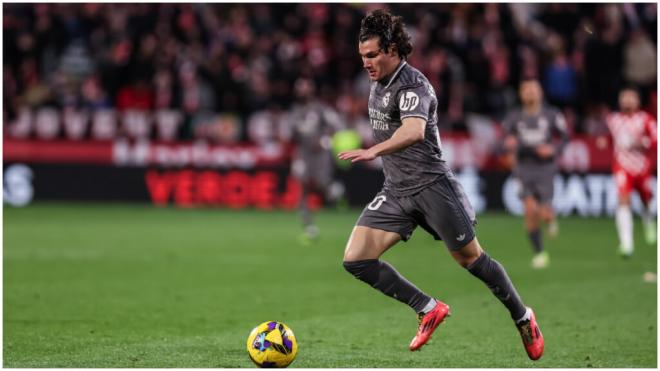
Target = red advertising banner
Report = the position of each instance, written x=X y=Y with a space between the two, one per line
x=582 y=154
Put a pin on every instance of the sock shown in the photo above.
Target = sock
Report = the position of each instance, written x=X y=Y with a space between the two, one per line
x=429 y=306
x=624 y=225
x=535 y=239
x=494 y=276
x=384 y=278
x=525 y=317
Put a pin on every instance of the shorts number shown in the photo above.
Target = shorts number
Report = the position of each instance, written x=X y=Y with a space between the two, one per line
x=375 y=204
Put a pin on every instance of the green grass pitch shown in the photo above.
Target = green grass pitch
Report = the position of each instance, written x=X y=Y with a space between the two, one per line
x=135 y=286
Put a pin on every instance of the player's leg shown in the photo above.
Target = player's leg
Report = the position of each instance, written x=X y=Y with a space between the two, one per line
x=549 y=217
x=492 y=273
x=381 y=225
x=300 y=169
x=361 y=259
x=533 y=229
x=544 y=191
x=449 y=216
x=481 y=265
x=643 y=187
x=623 y=217
x=311 y=230
x=527 y=178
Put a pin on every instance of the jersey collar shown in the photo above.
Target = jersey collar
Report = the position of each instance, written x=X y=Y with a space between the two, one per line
x=396 y=72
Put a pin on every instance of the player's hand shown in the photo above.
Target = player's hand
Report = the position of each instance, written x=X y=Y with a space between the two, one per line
x=545 y=150
x=357 y=155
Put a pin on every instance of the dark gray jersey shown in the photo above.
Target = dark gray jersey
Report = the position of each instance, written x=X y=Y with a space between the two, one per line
x=312 y=124
x=407 y=93
x=533 y=130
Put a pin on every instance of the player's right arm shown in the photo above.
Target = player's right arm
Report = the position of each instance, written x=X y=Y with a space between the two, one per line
x=410 y=132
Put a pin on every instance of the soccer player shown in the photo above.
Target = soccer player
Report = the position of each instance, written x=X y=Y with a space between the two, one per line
x=419 y=188
x=530 y=134
x=634 y=134
x=313 y=164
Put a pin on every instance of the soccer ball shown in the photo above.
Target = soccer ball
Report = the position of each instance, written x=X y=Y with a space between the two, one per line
x=272 y=344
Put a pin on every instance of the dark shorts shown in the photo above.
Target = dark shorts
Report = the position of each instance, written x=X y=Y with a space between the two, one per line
x=537 y=181
x=442 y=209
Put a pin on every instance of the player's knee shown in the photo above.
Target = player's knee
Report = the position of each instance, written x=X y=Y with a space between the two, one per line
x=468 y=254
x=466 y=261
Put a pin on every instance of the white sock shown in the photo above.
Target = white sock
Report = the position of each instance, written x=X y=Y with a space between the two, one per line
x=429 y=306
x=624 y=225
x=526 y=317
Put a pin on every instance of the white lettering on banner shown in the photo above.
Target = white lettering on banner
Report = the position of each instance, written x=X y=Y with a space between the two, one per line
x=22 y=126
x=575 y=157
x=136 y=123
x=104 y=125
x=47 y=123
x=583 y=195
x=168 y=122
x=75 y=123
x=199 y=154
x=17 y=187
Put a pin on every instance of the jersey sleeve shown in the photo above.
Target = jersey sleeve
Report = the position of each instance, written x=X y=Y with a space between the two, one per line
x=415 y=102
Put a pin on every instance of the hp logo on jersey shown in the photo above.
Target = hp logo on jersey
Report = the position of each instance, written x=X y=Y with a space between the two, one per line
x=408 y=101
x=386 y=99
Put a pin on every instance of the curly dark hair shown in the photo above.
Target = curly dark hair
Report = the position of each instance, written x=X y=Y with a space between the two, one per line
x=389 y=29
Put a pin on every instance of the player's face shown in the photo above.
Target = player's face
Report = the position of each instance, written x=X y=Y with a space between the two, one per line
x=628 y=100
x=377 y=62
x=530 y=92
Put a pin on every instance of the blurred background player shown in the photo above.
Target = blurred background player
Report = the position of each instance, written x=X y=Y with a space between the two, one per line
x=530 y=133
x=314 y=124
x=634 y=135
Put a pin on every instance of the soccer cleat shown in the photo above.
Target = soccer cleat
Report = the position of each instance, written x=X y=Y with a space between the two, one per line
x=625 y=253
x=310 y=235
x=541 y=260
x=428 y=323
x=531 y=337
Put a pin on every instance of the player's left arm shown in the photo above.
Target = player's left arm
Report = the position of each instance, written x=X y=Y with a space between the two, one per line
x=414 y=103
x=410 y=132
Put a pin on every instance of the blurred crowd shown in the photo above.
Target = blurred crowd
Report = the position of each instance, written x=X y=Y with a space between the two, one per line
x=230 y=69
